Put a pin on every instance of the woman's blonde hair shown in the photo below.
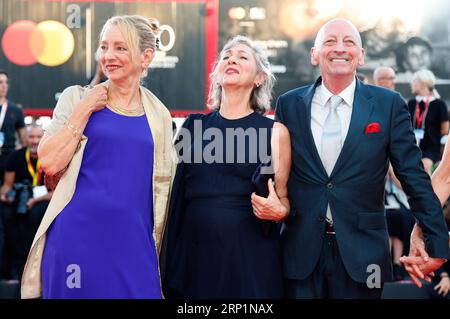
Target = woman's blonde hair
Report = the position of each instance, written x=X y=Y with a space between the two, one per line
x=261 y=95
x=140 y=33
x=427 y=77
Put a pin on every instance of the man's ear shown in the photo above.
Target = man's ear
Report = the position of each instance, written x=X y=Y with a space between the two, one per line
x=361 y=59
x=314 y=57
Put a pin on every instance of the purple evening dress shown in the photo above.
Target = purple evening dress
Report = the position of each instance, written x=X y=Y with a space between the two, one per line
x=101 y=244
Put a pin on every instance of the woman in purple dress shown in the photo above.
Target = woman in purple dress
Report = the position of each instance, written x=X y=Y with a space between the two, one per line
x=104 y=243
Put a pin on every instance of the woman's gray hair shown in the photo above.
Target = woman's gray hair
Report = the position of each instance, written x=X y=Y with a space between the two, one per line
x=426 y=77
x=261 y=96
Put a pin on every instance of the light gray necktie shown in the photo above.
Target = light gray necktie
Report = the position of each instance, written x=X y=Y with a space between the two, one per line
x=331 y=140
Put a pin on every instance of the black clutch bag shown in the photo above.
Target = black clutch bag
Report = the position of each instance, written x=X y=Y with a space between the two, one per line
x=260 y=178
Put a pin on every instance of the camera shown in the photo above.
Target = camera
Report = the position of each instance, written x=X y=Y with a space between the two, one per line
x=21 y=193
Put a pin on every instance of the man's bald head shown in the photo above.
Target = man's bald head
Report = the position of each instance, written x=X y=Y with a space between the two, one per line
x=34 y=136
x=384 y=76
x=319 y=37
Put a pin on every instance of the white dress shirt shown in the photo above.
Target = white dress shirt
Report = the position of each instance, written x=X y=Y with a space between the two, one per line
x=420 y=98
x=319 y=111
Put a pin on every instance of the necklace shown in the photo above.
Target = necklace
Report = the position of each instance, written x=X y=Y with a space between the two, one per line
x=138 y=111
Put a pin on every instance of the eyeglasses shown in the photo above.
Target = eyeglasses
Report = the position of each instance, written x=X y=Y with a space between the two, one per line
x=387 y=78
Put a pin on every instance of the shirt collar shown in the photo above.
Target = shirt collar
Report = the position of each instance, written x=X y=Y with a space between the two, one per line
x=347 y=94
x=420 y=98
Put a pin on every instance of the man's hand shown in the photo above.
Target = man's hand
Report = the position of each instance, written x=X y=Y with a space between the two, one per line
x=269 y=208
x=418 y=268
x=418 y=264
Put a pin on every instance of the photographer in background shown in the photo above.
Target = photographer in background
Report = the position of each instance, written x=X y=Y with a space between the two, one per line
x=24 y=199
x=11 y=123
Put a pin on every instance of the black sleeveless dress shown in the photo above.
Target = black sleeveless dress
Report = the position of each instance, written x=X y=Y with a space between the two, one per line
x=215 y=247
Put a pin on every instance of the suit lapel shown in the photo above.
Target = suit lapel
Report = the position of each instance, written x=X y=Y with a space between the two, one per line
x=362 y=109
x=305 y=121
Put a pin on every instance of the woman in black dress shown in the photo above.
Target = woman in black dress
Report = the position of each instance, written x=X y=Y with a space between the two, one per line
x=216 y=245
x=429 y=117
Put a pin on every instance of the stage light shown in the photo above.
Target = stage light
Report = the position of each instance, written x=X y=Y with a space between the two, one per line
x=236 y=13
x=257 y=13
x=328 y=8
x=366 y=14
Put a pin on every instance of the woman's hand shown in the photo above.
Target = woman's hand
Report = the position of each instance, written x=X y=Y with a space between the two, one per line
x=269 y=208
x=443 y=286
x=30 y=203
x=95 y=98
x=419 y=264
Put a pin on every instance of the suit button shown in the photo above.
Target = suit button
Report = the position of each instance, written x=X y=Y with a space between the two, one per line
x=330 y=185
x=321 y=219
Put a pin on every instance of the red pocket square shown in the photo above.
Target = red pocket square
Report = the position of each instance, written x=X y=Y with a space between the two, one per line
x=372 y=128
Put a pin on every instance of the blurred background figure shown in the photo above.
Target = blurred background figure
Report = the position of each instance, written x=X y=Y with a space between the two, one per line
x=11 y=123
x=384 y=76
x=24 y=200
x=429 y=115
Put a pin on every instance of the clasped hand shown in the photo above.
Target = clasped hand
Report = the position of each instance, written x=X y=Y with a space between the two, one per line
x=418 y=264
x=269 y=208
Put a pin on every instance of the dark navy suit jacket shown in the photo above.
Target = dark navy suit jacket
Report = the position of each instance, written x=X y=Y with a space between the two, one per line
x=355 y=188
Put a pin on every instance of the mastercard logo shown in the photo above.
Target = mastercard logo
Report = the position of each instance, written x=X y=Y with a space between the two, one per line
x=49 y=43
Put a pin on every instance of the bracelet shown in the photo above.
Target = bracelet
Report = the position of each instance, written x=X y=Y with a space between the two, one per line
x=74 y=130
